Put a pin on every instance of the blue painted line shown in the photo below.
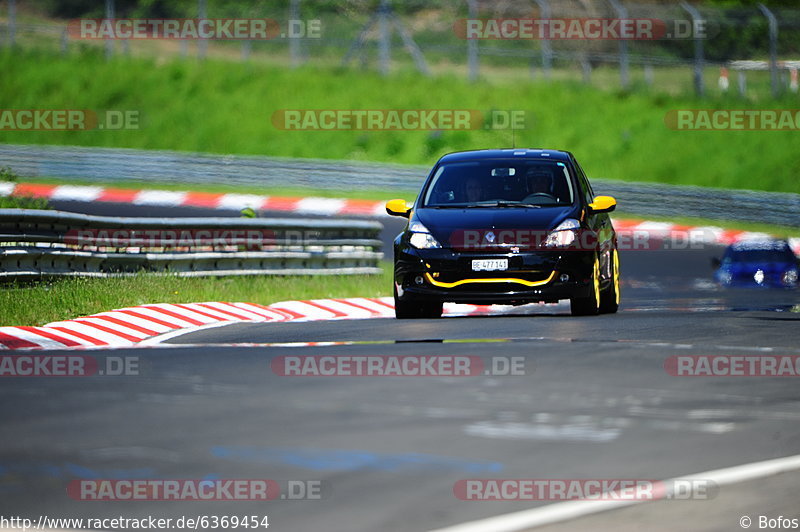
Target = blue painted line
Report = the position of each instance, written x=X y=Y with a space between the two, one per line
x=353 y=460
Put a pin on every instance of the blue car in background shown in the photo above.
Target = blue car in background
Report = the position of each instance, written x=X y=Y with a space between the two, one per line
x=767 y=263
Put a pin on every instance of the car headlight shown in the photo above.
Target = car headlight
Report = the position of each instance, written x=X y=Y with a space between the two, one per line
x=421 y=238
x=563 y=235
x=790 y=278
x=725 y=277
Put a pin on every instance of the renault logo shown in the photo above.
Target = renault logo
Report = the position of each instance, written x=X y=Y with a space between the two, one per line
x=489 y=237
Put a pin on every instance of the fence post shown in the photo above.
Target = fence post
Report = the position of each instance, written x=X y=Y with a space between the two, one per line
x=586 y=69
x=773 y=49
x=547 y=49
x=699 y=59
x=12 y=22
x=202 y=44
x=624 y=77
x=64 y=41
x=648 y=74
x=472 y=44
x=384 y=45
x=109 y=15
x=294 y=43
x=742 y=83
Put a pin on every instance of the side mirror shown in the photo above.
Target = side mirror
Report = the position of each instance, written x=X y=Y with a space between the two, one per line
x=602 y=204
x=397 y=207
x=716 y=263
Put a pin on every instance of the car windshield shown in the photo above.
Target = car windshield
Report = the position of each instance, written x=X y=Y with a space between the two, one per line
x=500 y=183
x=760 y=255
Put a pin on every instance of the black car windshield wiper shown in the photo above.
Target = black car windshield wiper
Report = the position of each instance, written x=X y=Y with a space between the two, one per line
x=503 y=203
x=486 y=204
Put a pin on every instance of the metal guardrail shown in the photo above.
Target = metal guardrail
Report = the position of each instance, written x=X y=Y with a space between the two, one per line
x=651 y=199
x=36 y=243
x=106 y=164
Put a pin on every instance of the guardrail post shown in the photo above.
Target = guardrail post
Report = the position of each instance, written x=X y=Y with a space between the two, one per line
x=472 y=44
x=773 y=49
x=547 y=48
x=699 y=60
x=624 y=76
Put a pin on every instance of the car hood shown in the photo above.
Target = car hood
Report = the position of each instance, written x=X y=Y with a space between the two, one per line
x=444 y=223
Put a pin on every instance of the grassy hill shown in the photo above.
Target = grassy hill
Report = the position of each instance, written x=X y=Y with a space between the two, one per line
x=227 y=107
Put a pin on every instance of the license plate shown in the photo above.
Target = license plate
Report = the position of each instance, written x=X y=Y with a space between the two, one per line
x=489 y=265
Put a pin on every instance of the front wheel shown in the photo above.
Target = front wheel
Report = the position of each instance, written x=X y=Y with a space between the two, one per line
x=590 y=305
x=412 y=310
x=609 y=299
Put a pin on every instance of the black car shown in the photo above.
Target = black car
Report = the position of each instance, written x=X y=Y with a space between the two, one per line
x=506 y=226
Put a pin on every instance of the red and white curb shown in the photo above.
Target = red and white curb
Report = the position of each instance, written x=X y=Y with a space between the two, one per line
x=149 y=324
x=331 y=206
x=207 y=200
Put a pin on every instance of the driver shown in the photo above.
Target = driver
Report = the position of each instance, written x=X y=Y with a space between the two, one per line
x=539 y=182
x=474 y=191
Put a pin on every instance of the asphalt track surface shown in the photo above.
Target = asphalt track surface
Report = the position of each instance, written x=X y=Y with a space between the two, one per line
x=594 y=402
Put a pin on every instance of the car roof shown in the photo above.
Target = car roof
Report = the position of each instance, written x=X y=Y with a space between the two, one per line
x=527 y=153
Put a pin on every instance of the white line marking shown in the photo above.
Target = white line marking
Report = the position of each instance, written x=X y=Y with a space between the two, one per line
x=565 y=511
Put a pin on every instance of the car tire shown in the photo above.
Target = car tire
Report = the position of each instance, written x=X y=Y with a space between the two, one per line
x=609 y=299
x=413 y=310
x=590 y=305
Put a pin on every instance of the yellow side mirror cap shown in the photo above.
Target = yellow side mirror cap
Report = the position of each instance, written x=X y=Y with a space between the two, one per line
x=603 y=204
x=397 y=207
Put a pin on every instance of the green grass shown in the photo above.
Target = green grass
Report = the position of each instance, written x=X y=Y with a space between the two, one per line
x=18 y=202
x=221 y=106
x=41 y=303
x=23 y=202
